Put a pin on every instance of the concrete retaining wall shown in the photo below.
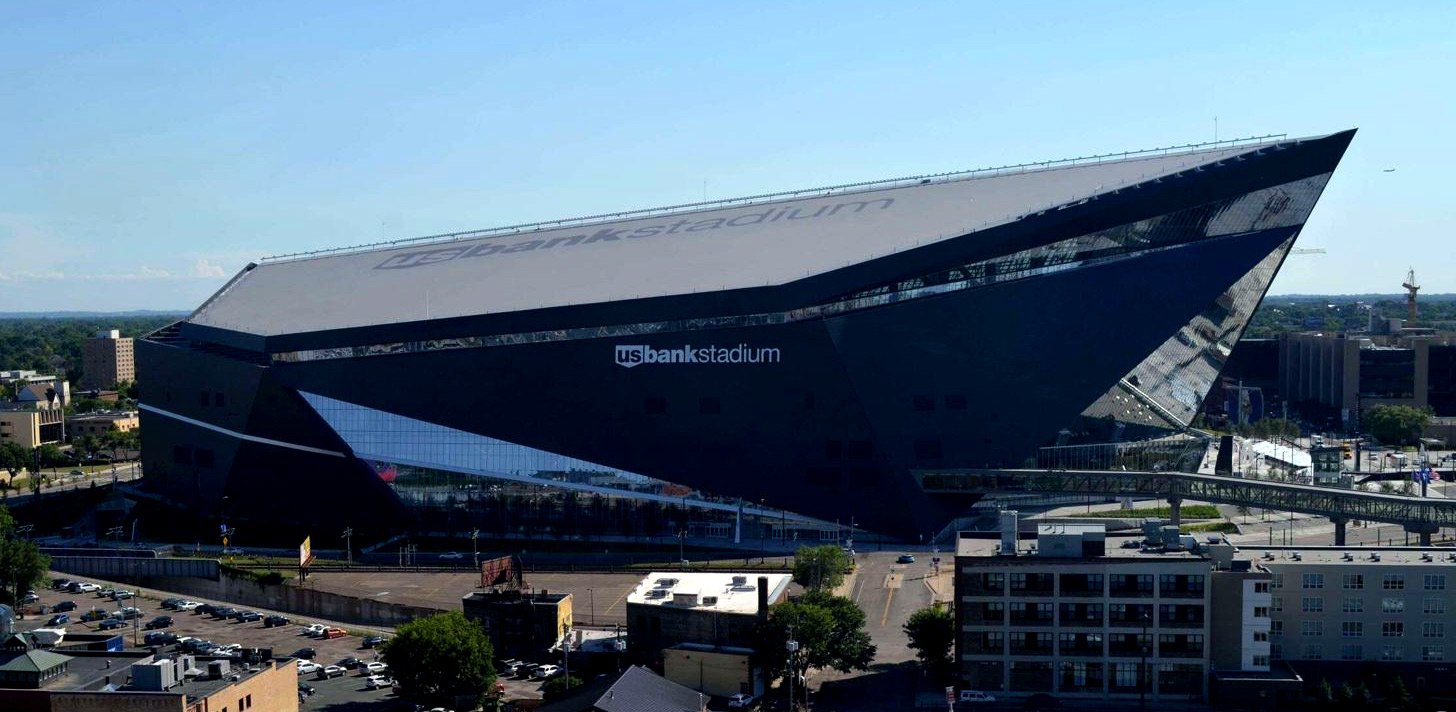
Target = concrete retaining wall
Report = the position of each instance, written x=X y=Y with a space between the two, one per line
x=303 y=602
x=113 y=568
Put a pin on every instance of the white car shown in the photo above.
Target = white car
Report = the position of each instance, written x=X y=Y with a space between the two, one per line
x=333 y=671
x=452 y=556
x=308 y=667
x=976 y=697
x=740 y=701
x=546 y=671
x=375 y=668
x=315 y=630
x=378 y=682
x=87 y=588
x=188 y=606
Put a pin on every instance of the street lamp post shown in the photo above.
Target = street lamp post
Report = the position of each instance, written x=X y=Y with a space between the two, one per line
x=792 y=646
x=348 y=545
x=591 y=598
x=475 y=545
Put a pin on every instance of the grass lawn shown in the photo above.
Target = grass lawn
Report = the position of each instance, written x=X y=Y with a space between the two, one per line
x=1190 y=511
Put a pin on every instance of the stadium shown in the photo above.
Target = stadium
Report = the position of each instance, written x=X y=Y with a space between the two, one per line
x=816 y=351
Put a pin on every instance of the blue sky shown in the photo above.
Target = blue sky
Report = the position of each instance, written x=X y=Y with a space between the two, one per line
x=150 y=149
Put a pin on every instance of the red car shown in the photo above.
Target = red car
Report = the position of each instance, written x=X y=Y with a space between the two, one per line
x=331 y=633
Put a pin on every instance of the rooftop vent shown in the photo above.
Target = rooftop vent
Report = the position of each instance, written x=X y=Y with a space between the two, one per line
x=1426 y=556
x=740 y=580
x=1374 y=556
x=1297 y=556
x=665 y=582
x=710 y=600
x=1349 y=556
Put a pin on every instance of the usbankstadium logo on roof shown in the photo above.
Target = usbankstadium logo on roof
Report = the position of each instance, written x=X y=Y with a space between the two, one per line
x=754 y=216
x=630 y=356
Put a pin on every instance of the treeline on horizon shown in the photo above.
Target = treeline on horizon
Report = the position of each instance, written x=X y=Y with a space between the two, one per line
x=1286 y=313
x=53 y=345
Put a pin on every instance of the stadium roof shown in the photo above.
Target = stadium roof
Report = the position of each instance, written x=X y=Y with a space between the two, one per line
x=653 y=254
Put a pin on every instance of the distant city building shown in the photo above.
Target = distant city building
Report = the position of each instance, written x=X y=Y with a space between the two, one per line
x=712 y=609
x=98 y=424
x=29 y=426
x=106 y=359
x=520 y=624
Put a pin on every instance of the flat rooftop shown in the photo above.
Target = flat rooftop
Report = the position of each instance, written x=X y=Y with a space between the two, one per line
x=724 y=592
x=1350 y=556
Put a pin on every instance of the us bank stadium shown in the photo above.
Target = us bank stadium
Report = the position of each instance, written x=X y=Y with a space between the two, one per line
x=816 y=351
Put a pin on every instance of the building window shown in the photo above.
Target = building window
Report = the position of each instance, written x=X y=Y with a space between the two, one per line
x=1351 y=652
x=1276 y=603
x=1276 y=651
x=1261 y=636
x=1354 y=581
x=1393 y=582
x=1261 y=661
x=1313 y=604
x=1311 y=628
x=1392 y=652
x=1277 y=580
x=1314 y=581
x=1261 y=612
x=1435 y=582
x=1313 y=651
x=1433 y=653
x=1435 y=606
x=1261 y=587
x=1354 y=605
x=1392 y=605
x=1392 y=629
x=1433 y=630
x=1352 y=629
x=1275 y=627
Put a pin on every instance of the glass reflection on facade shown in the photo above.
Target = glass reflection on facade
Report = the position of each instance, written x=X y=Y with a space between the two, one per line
x=386 y=437
x=1166 y=389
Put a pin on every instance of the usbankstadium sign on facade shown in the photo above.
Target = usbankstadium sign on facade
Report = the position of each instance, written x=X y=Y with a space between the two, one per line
x=819 y=352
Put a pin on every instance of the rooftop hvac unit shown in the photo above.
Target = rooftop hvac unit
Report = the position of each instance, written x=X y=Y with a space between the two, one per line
x=1349 y=556
x=1297 y=556
x=666 y=582
x=740 y=580
x=710 y=600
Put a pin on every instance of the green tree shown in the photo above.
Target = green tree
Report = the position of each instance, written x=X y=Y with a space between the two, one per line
x=829 y=630
x=1397 y=697
x=1396 y=424
x=932 y=636
x=13 y=458
x=21 y=563
x=821 y=568
x=442 y=658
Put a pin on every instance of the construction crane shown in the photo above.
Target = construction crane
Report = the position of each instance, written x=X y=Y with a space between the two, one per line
x=1410 y=297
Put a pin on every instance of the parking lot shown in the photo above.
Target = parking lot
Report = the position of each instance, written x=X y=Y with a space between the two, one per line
x=342 y=693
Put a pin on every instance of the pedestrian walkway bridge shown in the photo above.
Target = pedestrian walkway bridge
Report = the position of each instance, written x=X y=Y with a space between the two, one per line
x=1418 y=515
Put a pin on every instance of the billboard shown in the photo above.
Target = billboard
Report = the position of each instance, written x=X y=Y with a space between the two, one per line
x=305 y=552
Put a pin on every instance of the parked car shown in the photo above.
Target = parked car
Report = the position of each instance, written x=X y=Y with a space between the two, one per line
x=308 y=667
x=331 y=633
x=205 y=609
x=376 y=668
x=194 y=645
x=740 y=701
x=30 y=597
x=275 y=621
x=121 y=595
x=104 y=592
x=128 y=613
x=332 y=671
x=232 y=551
x=159 y=637
x=451 y=556
x=228 y=649
x=95 y=614
x=221 y=613
x=905 y=559
x=304 y=654
x=545 y=672
x=112 y=624
x=351 y=663
x=379 y=682
x=314 y=630
x=83 y=587
x=171 y=603
x=248 y=616
x=159 y=622
x=375 y=641
x=60 y=583
x=64 y=606
x=188 y=606
x=511 y=668
x=976 y=697
x=305 y=689
x=58 y=619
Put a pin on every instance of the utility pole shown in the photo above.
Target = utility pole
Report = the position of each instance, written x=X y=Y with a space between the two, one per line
x=348 y=545
x=791 y=647
x=475 y=546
